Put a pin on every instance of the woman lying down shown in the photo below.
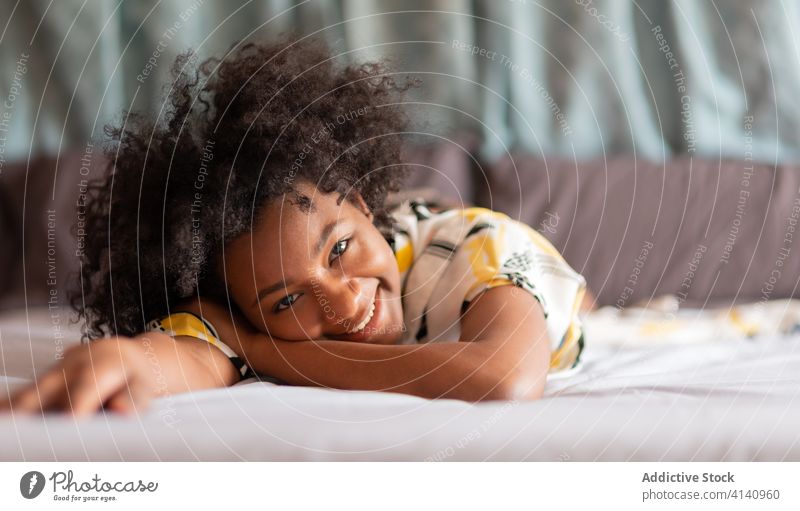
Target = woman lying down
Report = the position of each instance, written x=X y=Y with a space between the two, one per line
x=247 y=233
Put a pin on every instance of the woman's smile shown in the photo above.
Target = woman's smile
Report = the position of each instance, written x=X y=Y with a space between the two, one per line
x=371 y=325
x=321 y=272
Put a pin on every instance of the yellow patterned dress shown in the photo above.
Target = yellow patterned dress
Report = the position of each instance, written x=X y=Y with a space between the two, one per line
x=187 y=324
x=447 y=258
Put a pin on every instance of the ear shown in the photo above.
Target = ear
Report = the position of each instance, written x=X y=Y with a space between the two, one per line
x=362 y=205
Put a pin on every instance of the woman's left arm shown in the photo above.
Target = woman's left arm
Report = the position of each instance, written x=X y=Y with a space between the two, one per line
x=504 y=353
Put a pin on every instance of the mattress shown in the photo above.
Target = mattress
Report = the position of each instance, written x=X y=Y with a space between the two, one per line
x=718 y=397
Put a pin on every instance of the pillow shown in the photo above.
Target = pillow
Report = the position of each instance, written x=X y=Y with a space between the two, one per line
x=38 y=211
x=713 y=233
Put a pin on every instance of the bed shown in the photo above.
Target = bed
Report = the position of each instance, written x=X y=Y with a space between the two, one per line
x=713 y=397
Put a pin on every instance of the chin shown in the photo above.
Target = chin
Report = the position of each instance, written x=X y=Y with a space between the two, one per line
x=382 y=341
x=388 y=339
x=374 y=339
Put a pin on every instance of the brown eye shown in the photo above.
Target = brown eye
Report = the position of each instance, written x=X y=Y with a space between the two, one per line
x=338 y=249
x=285 y=302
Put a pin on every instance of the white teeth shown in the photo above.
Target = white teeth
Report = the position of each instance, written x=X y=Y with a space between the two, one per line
x=363 y=324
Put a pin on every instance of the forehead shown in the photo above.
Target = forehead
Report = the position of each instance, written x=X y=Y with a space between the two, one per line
x=303 y=211
x=288 y=228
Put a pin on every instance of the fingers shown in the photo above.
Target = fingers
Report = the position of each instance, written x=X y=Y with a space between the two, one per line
x=91 y=389
x=121 y=402
x=41 y=394
x=5 y=402
x=47 y=391
x=107 y=372
x=129 y=400
x=5 y=405
x=79 y=385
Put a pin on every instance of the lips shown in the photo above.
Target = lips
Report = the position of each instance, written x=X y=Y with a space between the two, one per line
x=368 y=325
x=367 y=319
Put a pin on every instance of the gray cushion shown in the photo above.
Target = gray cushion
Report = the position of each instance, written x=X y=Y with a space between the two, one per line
x=634 y=228
x=711 y=232
x=39 y=209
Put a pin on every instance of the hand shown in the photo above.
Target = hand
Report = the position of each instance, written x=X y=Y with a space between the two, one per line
x=114 y=372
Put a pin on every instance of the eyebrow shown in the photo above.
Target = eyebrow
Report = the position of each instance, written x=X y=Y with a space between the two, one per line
x=323 y=238
x=324 y=235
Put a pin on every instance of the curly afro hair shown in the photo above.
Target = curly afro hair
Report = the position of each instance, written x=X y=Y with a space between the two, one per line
x=237 y=132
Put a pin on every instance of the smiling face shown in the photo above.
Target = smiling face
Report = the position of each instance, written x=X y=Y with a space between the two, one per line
x=323 y=272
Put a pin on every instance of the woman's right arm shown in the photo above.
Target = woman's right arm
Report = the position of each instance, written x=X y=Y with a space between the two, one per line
x=125 y=374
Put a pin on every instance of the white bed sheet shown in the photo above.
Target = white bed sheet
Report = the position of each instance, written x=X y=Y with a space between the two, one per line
x=724 y=400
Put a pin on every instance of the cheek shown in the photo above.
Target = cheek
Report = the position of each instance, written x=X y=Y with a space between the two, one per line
x=290 y=325
x=380 y=256
x=385 y=266
x=259 y=319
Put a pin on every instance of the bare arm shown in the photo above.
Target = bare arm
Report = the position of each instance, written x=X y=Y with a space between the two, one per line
x=504 y=353
x=124 y=374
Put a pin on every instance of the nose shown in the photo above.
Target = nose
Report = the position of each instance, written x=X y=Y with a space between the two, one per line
x=342 y=293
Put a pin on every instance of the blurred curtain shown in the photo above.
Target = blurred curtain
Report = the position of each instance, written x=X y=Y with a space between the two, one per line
x=572 y=78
